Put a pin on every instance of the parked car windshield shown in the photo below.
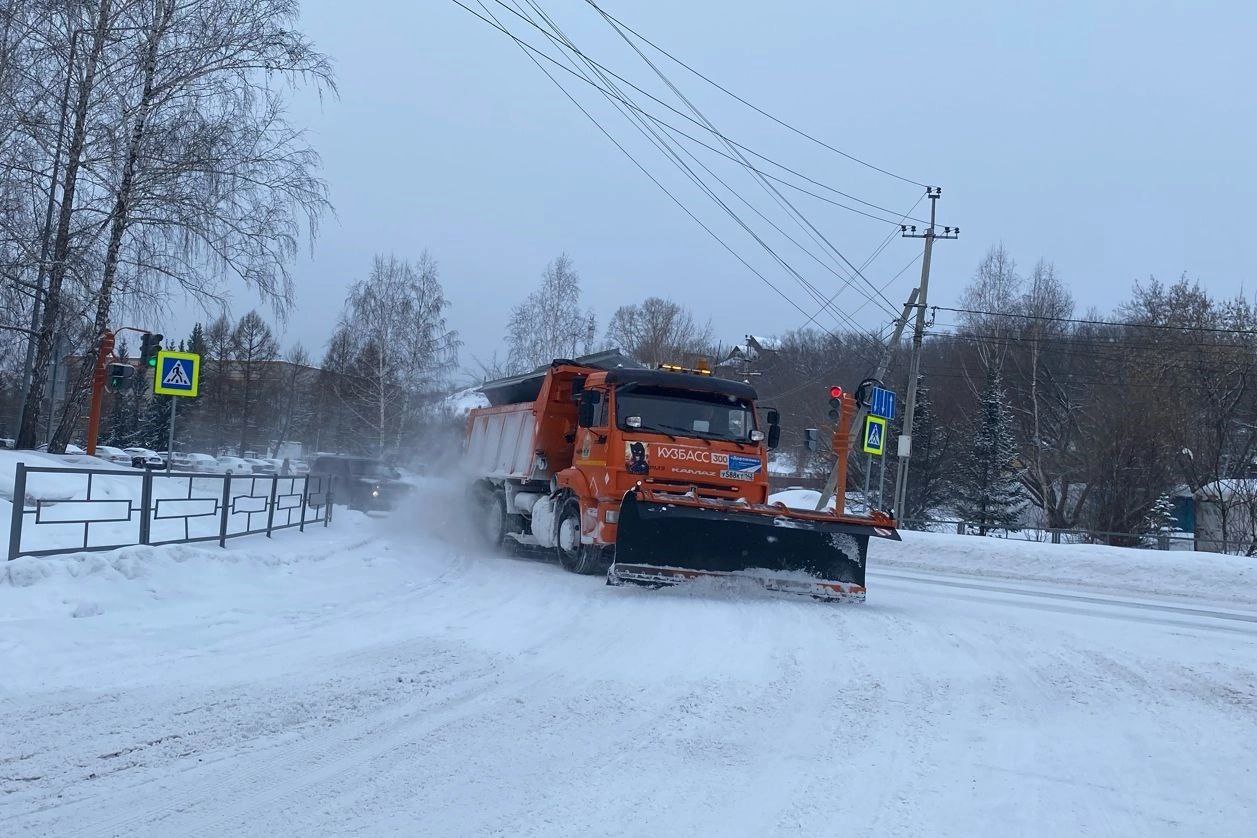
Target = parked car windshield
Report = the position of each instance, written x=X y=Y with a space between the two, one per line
x=685 y=413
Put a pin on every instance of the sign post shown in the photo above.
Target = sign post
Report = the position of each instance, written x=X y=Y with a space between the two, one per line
x=881 y=405
x=178 y=374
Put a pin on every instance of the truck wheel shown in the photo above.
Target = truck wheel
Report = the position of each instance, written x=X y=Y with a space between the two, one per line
x=580 y=558
x=493 y=519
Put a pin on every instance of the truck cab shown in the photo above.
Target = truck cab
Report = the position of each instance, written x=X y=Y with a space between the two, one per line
x=669 y=430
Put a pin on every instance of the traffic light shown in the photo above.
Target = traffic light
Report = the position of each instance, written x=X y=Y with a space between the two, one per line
x=150 y=345
x=811 y=439
x=835 y=403
x=119 y=375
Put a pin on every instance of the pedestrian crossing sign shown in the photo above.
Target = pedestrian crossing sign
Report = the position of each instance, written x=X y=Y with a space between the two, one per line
x=178 y=374
x=875 y=435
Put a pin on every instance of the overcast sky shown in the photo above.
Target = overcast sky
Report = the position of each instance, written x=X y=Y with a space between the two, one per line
x=1115 y=138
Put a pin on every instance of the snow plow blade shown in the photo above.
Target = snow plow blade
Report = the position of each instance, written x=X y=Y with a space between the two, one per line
x=666 y=540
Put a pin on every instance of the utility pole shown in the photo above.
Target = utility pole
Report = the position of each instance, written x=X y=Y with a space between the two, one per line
x=918 y=332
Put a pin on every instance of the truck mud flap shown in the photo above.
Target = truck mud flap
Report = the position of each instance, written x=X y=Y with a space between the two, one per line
x=660 y=543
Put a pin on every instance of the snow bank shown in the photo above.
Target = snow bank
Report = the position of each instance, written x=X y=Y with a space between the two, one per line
x=65 y=486
x=464 y=401
x=129 y=578
x=1117 y=570
x=798 y=498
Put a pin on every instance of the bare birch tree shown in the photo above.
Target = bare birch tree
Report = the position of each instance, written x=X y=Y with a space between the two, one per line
x=549 y=323
x=402 y=350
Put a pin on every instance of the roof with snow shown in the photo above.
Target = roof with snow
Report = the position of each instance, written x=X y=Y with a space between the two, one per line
x=526 y=386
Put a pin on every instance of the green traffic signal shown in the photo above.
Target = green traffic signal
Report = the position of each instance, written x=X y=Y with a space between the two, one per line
x=150 y=345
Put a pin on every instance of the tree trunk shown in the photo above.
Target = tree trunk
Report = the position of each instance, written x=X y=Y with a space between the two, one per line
x=120 y=220
x=44 y=344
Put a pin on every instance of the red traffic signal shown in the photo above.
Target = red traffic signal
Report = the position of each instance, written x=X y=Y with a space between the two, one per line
x=835 y=402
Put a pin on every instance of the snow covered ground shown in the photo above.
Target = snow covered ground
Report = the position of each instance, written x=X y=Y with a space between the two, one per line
x=376 y=679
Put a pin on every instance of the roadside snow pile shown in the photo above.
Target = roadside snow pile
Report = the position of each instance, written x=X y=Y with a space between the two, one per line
x=91 y=583
x=1119 y=570
x=782 y=462
x=65 y=486
x=798 y=498
x=464 y=401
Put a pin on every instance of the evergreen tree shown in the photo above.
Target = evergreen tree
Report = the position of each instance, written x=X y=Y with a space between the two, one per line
x=154 y=430
x=190 y=424
x=1160 y=515
x=988 y=491
x=929 y=483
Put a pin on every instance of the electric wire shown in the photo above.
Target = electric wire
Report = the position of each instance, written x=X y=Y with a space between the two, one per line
x=664 y=146
x=753 y=107
x=1164 y=327
x=634 y=160
x=768 y=187
x=502 y=28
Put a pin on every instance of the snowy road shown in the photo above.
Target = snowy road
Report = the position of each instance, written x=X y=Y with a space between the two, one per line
x=376 y=682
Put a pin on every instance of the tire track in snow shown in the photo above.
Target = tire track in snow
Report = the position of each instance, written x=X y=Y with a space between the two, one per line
x=1114 y=607
x=286 y=778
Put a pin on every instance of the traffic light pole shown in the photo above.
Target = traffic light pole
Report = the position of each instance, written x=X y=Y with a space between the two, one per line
x=861 y=410
x=103 y=354
x=98 y=390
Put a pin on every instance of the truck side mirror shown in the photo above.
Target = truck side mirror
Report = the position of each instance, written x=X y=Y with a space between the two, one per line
x=774 y=428
x=588 y=404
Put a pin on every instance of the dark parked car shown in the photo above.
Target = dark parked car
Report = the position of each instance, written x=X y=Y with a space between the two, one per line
x=361 y=482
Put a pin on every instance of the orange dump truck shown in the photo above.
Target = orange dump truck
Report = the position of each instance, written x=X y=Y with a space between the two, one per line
x=654 y=476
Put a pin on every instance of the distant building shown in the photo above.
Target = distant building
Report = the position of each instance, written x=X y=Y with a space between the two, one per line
x=743 y=355
x=1225 y=516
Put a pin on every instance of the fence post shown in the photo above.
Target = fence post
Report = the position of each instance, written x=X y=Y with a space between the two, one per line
x=270 y=508
x=146 y=505
x=225 y=510
x=327 y=499
x=305 y=500
x=19 y=507
x=1056 y=536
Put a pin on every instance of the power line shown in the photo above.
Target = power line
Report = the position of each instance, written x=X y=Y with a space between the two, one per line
x=669 y=151
x=1166 y=327
x=753 y=107
x=773 y=191
x=1083 y=342
x=664 y=146
x=877 y=252
x=634 y=160
x=500 y=27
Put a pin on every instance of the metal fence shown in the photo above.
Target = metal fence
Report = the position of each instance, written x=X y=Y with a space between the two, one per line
x=79 y=509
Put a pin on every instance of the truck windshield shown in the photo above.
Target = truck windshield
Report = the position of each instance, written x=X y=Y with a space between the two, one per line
x=685 y=413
